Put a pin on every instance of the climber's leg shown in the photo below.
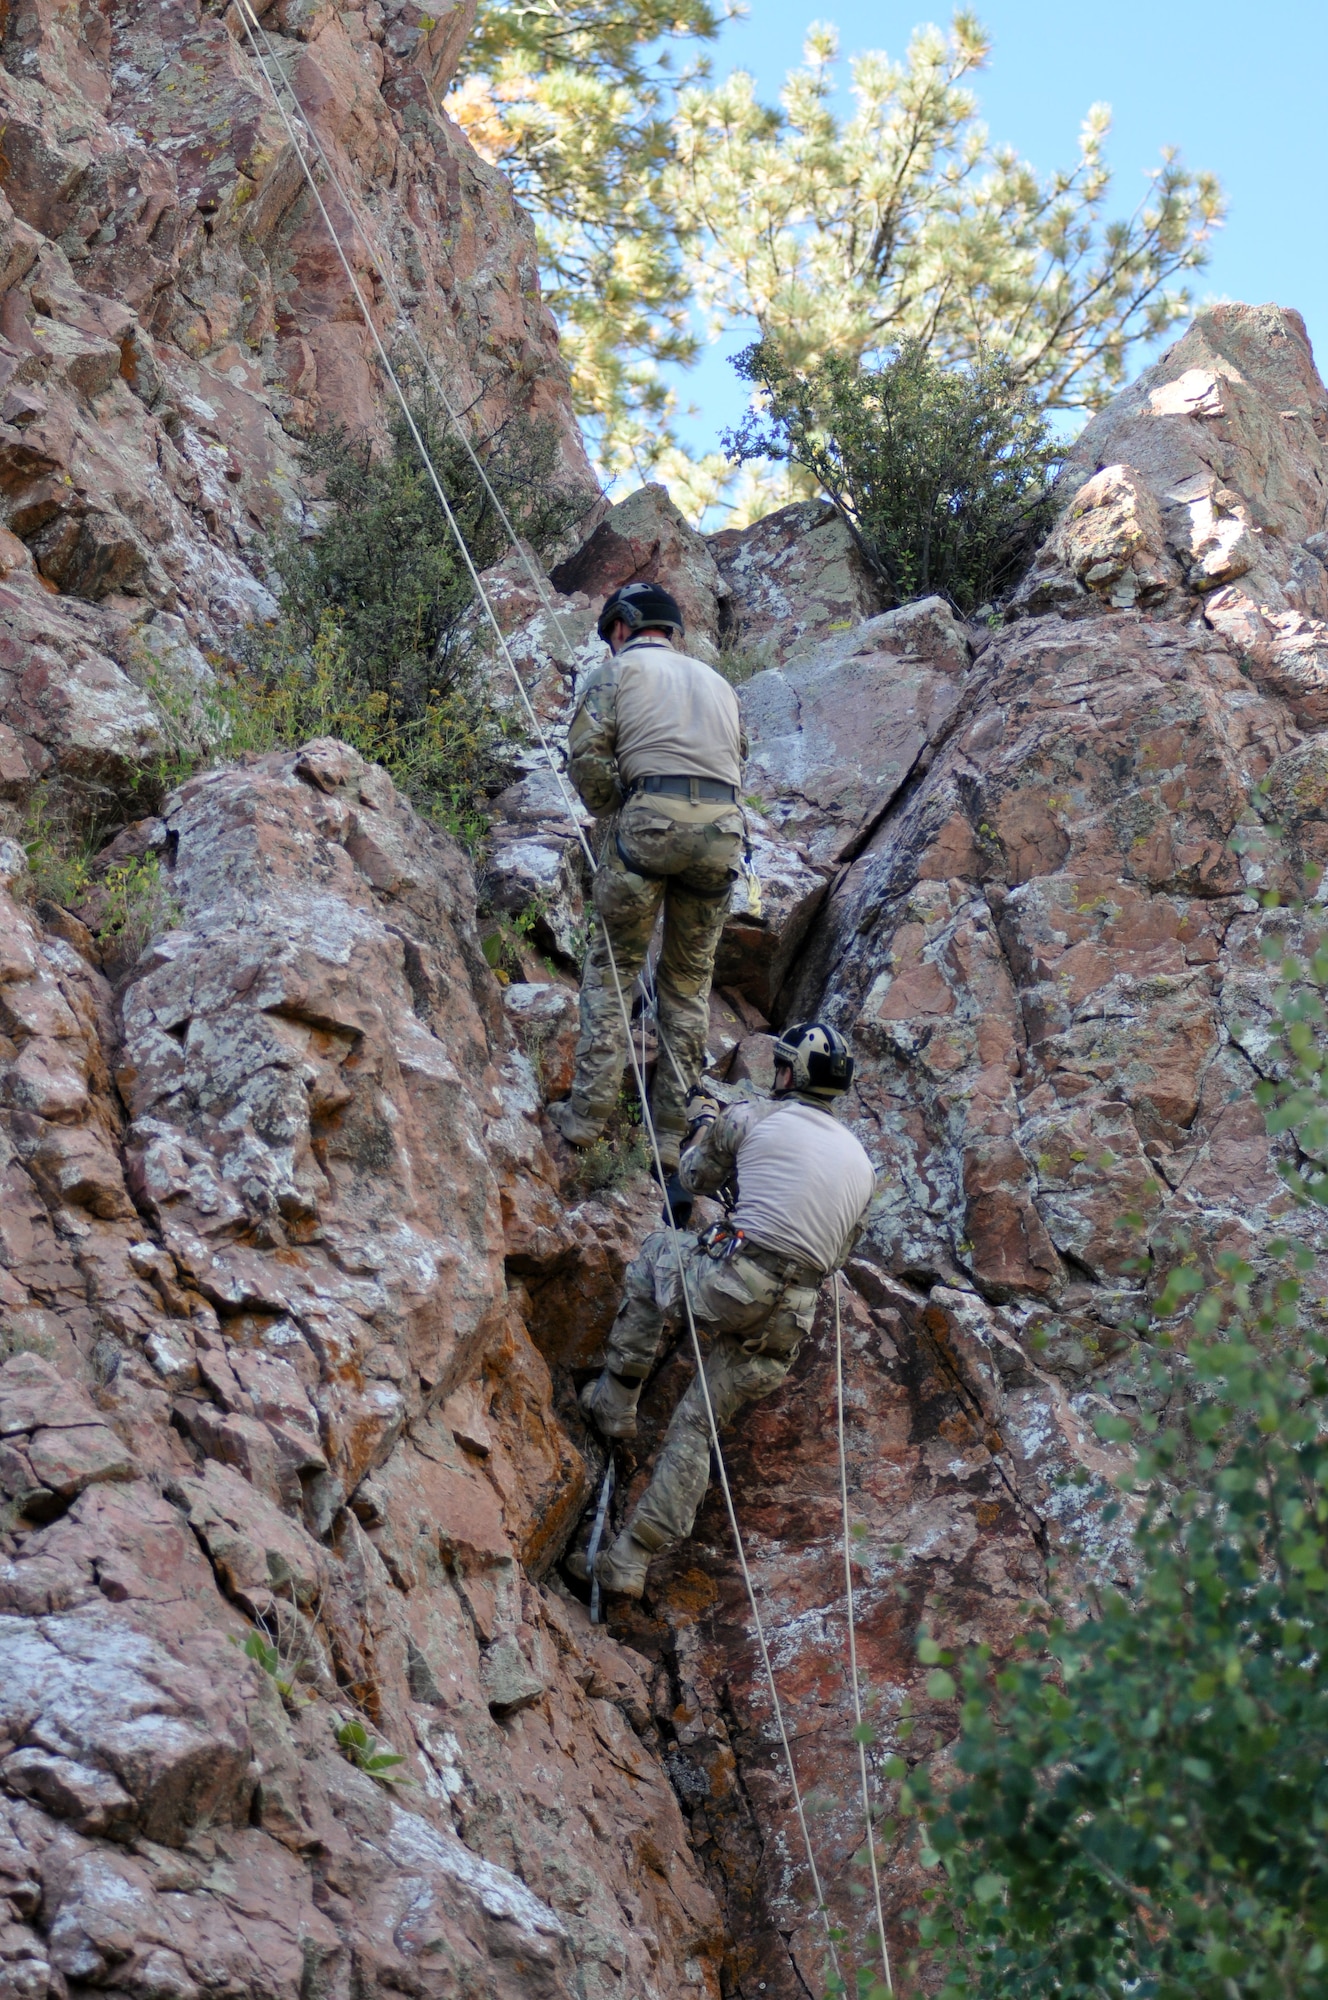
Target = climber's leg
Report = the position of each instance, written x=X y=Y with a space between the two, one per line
x=692 y=927
x=651 y=1301
x=626 y=907
x=759 y=1323
x=668 y=1507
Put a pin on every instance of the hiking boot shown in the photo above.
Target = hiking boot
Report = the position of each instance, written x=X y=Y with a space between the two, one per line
x=610 y=1403
x=621 y=1570
x=577 y=1131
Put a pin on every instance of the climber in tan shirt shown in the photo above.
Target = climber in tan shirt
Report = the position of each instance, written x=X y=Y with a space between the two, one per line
x=657 y=742
x=803 y=1189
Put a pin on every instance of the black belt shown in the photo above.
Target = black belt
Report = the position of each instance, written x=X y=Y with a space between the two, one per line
x=687 y=788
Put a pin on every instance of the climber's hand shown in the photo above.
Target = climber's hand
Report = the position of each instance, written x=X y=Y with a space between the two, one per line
x=702 y=1110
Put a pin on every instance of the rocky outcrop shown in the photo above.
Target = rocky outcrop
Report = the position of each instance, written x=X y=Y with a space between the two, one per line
x=793 y=579
x=296 y=1286
x=267 y=1375
x=1030 y=851
x=1048 y=955
x=175 y=318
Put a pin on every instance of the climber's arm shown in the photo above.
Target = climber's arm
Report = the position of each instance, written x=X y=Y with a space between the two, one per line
x=710 y=1157
x=592 y=742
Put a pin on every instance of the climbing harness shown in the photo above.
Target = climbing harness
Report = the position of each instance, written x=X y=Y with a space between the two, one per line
x=721 y=1241
x=597 y=1536
x=253 y=28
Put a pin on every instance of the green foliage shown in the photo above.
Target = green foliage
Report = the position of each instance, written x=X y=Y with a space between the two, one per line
x=573 y=102
x=939 y=473
x=273 y=1658
x=507 y=937
x=373 y=644
x=835 y=234
x=124 y=906
x=609 y=1163
x=1142 y=1797
x=618 y=1156
x=385 y=564
x=59 y=852
x=136 y=905
x=268 y=1657
x=848 y=235
x=368 y=1754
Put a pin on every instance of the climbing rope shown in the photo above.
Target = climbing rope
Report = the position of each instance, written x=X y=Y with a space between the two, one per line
x=253 y=27
x=383 y=269
x=858 y=1731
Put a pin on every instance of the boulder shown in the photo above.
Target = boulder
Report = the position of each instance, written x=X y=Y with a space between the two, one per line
x=794 y=578
x=109 y=1730
x=646 y=538
x=834 y=737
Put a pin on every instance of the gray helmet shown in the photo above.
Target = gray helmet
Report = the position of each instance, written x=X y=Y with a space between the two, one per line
x=639 y=605
x=818 y=1056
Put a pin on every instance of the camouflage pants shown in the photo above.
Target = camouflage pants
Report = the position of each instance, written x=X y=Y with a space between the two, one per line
x=756 y=1321
x=691 y=853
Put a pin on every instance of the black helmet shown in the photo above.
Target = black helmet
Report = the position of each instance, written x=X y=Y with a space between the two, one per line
x=640 y=604
x=818 y=1056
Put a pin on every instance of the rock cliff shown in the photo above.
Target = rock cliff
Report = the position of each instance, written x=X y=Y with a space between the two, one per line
x=295 y=1281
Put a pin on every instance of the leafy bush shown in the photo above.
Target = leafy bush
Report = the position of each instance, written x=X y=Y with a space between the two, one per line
x=374 y=643
x=369 y=1754
x=124 y=905
x=940 y=474
x=384 y=562
x=618 y=1156
x=1142 y=1796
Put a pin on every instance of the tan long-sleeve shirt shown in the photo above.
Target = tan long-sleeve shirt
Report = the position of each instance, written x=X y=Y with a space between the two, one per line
x=651 y=712
x=804 y=1182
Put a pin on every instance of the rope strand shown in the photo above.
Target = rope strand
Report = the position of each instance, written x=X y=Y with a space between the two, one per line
x=853 y=1645
x=251 y=22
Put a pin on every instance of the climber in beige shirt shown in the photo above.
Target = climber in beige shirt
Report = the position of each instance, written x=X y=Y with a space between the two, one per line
x=799 y=1188
x=657 y=742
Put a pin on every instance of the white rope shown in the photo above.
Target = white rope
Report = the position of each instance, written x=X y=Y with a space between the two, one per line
x=853 y=1645
x=383 y=267
x=250 y=22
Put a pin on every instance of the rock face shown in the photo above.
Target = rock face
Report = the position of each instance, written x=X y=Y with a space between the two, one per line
x=296 y=1287
x=174 y=317
x=1048 y=958
x=1029 y=853
x=267 y=1375
x=793 y=579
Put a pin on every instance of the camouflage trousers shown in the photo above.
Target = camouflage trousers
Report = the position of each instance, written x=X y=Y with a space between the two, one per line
x=688 y=855
x=756 y=1321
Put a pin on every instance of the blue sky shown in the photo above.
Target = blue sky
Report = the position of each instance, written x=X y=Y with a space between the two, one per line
x=1240 y=89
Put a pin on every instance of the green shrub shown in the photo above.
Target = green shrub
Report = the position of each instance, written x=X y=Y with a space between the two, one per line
x=59 y=851
x=369 y=1754
x=940 y=474
x=124 y=905
x=618 y=1156
x=374 y=639
x=1141 y=1798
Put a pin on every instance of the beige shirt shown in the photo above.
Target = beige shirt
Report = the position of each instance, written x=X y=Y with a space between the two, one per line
x=804 y=1182
x=651 y=712
x=676 y=716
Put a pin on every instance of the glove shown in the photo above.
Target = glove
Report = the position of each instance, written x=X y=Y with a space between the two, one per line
x=702 y=1110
